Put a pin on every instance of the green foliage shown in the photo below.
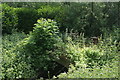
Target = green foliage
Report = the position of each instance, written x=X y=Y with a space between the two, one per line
x=39 y=42
x=25 y=56
x=0 y=60
x=44 y=34
x=82 y=72
x=33 y=5
x=28 y=56
x=10 y=41
x=52 y=11
x=94 y=61
x=88 y=18
x=75 y=17
x=43 y=46
x=12 y=67
x=9 y=18
x=26 y=19
x=49 y=11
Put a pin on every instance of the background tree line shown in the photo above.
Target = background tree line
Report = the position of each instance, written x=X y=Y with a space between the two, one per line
x=89 y=18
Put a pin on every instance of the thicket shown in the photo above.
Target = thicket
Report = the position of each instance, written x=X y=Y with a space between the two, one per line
x=92 y=19
x=9 y=18
x=54 y=44
x=24 y=18
x=34 y=56
x=93 y=61
x=25 y=58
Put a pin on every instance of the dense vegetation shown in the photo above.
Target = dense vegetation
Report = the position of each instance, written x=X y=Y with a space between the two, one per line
x=53 y=40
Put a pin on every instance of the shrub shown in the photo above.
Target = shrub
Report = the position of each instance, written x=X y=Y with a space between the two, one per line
x=32 y=54
x=55 y=12
x=38 y=47
x=48 y=12
x=26 y=19
x=12 y=67
x=90 y=56
x=10 y=41
x=40 y=41
x=9 y=18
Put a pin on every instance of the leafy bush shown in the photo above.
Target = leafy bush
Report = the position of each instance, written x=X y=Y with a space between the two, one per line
x=90 y=56
x=39 y=42
x=48 y=11
x=26 y=19
x=10 y=41
x=9 y=18
x=11 y=68
x=54 y=12
x=32 y=54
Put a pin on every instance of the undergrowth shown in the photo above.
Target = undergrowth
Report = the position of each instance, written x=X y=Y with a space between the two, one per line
x=24 y=55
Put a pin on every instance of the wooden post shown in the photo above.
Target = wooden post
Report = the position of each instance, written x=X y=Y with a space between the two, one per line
x=95 y=40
